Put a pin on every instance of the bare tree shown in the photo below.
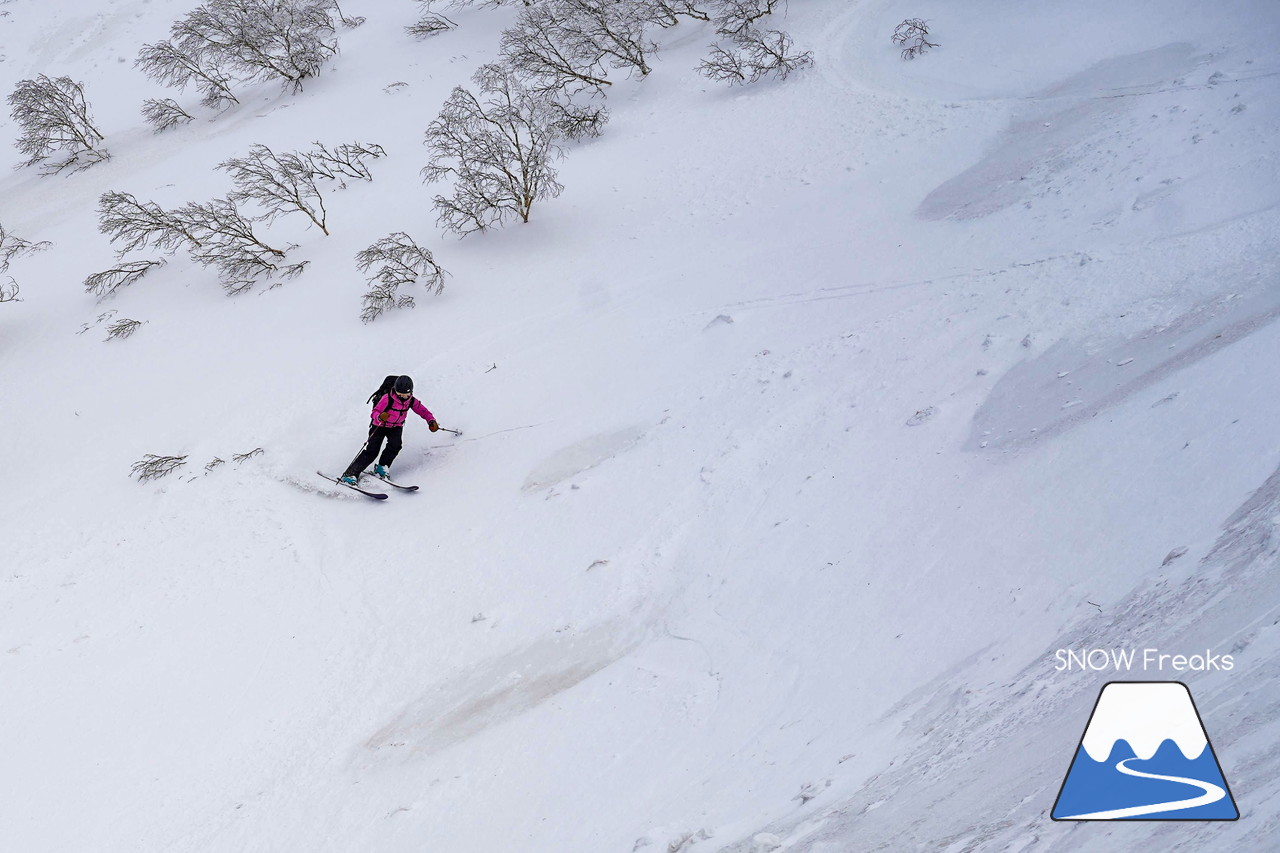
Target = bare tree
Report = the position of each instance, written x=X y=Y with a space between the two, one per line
x=735 y=17
x=54 y=117
x=350 y=23
x=12 y=246
x=106 y=283
x=498 y=151
x=577 y=121
x=615 y=30
x=346 y=160
x=755 y=54
x=566 y=45
x=194 y=62
x=399 y=261
x=244 y=40
x=540 y=45
x=429 y=22
x=912 y=35
x=163 y=114
x=279 y=183
x=229 y=245
x=667 y=13
x=136 y=223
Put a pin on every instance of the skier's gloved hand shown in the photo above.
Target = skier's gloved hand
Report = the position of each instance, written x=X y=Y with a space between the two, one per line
x=432 y=425
x=383 y=417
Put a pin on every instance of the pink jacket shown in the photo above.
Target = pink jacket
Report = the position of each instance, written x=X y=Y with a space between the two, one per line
x=397 y=411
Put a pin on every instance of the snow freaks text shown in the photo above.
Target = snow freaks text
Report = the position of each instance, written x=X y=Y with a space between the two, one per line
x=1147 y=660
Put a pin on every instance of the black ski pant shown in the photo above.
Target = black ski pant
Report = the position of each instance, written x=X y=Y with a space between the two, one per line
x=365 y=457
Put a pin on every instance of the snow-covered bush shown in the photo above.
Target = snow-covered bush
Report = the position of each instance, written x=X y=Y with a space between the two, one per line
x=399 y=261
x=755 y=54
x=497 y=147
x=912 y=35
x=54 y=117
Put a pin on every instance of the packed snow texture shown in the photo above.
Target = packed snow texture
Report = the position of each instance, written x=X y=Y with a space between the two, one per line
x=799 y=432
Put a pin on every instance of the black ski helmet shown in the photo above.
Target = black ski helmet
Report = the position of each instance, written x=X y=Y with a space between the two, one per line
x=404 y=385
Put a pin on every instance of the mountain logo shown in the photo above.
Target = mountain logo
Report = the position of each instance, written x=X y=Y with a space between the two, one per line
x=1145 y=756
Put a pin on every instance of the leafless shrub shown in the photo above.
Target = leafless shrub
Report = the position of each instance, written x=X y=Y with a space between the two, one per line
x=9 y=292
x=498 y=151
x=106 y=283
x=54 y=117
x=399 y=261
x=541 y=46
x=244 y=457
x=429 y=22
x=229 y=245
x=615 y=30
x=244 y=40
x=279 y=183
x=153 y=467
x=912 y=35
x=667 y=13
x=163 y=114
x=349 y=23
x=735 y=17
x=12 y=246
x=345 y=160
x=214 y=463
x=102 y=318
x=135 y=224
x=577 y=121
x=122 y=329
x=191 y=61
x=755 y=54
x=566 y=45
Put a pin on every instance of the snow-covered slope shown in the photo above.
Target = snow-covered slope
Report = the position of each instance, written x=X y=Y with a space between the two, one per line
x=800 y=431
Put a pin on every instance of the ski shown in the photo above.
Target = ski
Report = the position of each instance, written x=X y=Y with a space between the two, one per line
x=389 y=483
x=378 y=496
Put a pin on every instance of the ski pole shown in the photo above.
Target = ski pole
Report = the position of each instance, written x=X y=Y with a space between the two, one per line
x=454 y=431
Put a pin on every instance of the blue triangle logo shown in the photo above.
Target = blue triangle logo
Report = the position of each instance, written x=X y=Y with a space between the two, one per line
x=1145 y=755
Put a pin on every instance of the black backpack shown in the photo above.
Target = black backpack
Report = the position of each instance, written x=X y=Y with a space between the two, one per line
x=384 y=389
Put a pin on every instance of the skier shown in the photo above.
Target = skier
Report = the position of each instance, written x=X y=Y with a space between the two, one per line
x=388 y=417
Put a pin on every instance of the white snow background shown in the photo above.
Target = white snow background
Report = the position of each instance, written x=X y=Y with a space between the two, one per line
x=799 y=433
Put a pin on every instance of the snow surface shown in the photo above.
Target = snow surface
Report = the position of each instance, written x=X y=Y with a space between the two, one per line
x=800 y=431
